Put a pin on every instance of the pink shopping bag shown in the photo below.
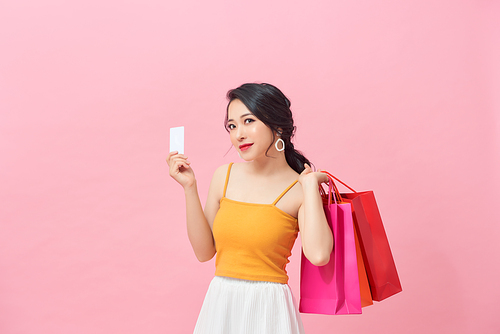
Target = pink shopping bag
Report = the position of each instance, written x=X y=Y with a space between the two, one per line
x=333 y=288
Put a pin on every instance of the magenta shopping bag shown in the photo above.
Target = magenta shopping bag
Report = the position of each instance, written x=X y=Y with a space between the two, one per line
x=333 y=288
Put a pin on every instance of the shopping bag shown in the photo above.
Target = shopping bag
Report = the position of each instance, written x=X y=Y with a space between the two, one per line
x=364 y=285
x=380 y=267
x=334 y=287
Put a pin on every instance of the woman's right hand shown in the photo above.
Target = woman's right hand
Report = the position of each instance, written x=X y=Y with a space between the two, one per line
x=180 y=170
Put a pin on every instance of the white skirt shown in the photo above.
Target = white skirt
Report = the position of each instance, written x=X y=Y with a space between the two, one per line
x=236 y=306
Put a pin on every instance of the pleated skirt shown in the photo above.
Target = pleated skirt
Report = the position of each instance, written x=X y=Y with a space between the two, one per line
x=236 y=306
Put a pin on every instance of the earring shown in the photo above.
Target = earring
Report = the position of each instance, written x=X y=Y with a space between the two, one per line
x=282 y=145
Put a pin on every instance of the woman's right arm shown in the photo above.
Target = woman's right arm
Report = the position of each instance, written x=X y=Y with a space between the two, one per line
x=198 y=222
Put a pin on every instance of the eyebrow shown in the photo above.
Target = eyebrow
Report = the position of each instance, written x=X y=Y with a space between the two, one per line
x=244 y=115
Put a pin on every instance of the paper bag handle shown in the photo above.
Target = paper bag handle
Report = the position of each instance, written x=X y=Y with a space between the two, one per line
x=333 y=177
x=332 y=189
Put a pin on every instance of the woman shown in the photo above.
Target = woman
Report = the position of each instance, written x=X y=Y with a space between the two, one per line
x=252 y=216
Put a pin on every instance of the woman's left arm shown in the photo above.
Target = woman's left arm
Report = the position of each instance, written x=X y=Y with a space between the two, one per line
x=316 y=235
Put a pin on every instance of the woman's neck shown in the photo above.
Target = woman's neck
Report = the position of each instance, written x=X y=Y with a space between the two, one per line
x=269 y=165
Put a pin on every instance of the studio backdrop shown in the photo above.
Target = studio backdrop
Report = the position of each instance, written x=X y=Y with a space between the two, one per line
x=398 y=97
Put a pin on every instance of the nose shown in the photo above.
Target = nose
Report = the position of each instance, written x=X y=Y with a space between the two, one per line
x=240 y=133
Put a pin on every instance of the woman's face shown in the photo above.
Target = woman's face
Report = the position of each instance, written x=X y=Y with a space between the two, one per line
x=250 y=136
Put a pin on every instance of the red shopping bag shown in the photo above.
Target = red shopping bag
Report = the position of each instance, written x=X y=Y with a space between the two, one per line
x=380 y=267
x=334 y=287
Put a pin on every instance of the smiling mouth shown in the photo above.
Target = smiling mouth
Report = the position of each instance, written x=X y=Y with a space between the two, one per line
x=245 y=147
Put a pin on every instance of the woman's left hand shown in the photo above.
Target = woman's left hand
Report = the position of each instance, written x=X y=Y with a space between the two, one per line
x=316 y=235
x=309 y=177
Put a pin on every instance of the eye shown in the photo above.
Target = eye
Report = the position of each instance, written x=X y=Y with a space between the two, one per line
x=249 y=120
x=231 y=126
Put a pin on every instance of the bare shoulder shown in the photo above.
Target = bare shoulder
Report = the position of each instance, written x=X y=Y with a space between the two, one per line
x=215 y=193
x=217 y=184
x=219 y=177
x=221 y=171
x=296 y=191
x=294 y=197
x=238 y=170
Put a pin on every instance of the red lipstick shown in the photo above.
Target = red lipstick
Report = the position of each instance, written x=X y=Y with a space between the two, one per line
x=245 y=147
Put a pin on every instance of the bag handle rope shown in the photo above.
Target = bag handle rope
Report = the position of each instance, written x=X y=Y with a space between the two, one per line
x=332 y=187
x=333 y=177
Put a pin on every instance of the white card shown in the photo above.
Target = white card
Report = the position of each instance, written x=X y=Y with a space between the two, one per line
x=177 y=139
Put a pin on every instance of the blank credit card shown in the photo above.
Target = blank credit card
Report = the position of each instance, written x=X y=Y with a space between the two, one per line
x=177 y=139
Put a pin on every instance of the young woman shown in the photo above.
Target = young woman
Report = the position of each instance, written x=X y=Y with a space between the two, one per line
x=252 y=216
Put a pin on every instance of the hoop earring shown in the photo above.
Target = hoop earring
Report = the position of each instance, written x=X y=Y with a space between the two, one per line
x=282 y=144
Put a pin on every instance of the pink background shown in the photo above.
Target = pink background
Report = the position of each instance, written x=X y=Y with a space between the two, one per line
x=401 y=97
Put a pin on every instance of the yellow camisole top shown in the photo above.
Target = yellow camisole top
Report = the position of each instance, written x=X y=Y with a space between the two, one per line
x=253 y=241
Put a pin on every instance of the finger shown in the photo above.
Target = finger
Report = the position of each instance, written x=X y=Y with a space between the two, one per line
x=171 y=156
x=175 y=154
x=182 y=163
x=179 y=157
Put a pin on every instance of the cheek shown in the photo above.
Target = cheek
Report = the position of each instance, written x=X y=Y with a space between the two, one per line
x=265 y=134
x=232 y=137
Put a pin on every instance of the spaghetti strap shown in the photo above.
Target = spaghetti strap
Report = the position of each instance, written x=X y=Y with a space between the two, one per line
x=284 y=192
x=227 y=179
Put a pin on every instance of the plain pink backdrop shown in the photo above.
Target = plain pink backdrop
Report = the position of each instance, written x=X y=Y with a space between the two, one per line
x=401 y=97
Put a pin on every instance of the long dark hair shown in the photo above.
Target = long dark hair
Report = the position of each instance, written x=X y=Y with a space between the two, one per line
x=271 y=107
